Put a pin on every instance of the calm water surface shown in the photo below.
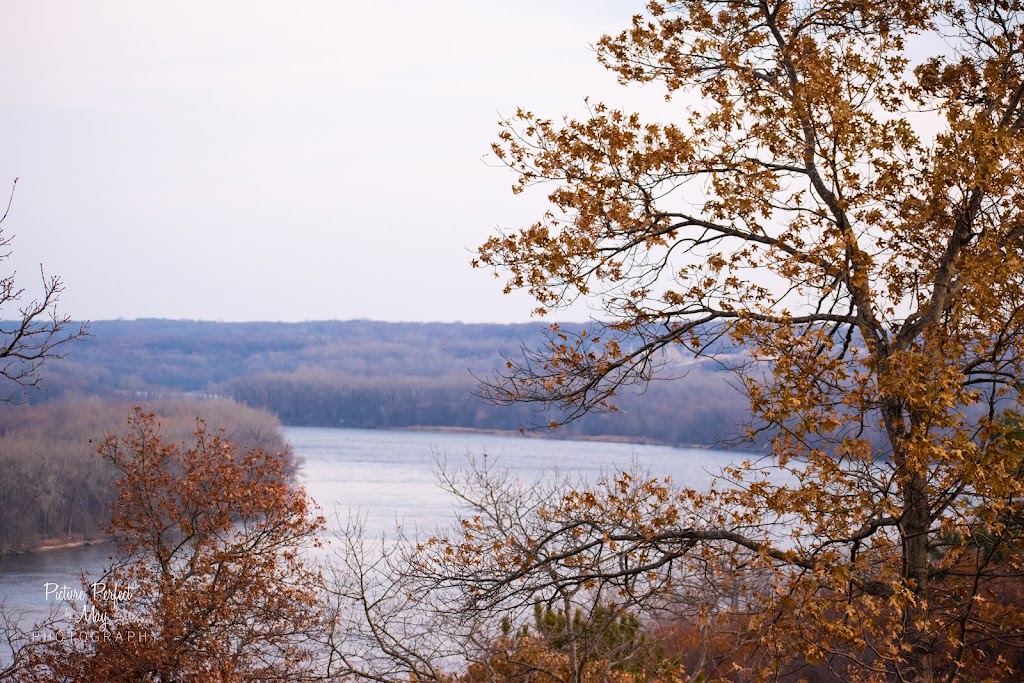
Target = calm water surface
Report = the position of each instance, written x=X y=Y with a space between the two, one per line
x=388 y=476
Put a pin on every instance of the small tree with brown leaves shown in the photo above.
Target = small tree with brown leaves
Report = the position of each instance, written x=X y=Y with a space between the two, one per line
x=211 y=584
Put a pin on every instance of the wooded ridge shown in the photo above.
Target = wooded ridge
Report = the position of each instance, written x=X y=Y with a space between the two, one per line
x=374 y=374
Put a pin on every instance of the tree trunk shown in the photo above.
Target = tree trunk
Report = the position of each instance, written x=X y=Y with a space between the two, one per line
x=915 y=530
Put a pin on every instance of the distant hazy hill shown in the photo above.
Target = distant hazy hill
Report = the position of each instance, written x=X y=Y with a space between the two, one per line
x=370 y=374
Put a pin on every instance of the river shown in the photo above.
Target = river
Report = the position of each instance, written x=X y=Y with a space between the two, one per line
x=386 y=476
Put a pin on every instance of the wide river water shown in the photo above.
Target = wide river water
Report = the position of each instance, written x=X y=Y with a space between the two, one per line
x=388 y=476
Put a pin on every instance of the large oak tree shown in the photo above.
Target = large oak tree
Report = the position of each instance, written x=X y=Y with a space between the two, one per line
x=839 y=195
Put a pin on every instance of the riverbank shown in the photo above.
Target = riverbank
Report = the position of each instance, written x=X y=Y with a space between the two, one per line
x=555 y=436
x=50 y=544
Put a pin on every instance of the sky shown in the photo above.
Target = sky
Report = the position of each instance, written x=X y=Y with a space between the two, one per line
x=280 y=160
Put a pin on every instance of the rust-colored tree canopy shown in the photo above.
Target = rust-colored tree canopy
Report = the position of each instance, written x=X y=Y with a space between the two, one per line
x=210 y=583
x=839 y=194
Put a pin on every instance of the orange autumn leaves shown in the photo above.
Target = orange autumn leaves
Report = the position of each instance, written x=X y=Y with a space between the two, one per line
x=846 y=212
x=216 y=586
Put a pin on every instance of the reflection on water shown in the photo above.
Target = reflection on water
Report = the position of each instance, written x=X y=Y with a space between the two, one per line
x=386 y=476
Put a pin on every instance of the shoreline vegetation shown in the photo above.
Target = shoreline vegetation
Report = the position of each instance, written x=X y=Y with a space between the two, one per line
x=56 y=489
x=369 y=374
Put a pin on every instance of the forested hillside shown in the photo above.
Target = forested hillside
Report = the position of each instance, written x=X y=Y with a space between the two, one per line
x=373 y=374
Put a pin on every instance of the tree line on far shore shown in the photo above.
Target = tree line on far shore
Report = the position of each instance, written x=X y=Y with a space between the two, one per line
x=377 y=375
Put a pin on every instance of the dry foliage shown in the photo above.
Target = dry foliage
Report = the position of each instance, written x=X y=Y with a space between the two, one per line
x=57 y=490
x=849 y=212
x=211 y=584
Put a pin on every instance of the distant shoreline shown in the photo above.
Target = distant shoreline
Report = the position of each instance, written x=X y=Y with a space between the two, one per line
x=56 y=544
x=603 y=438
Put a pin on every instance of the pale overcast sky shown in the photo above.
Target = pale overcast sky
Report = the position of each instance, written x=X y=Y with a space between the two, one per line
x=279 y=160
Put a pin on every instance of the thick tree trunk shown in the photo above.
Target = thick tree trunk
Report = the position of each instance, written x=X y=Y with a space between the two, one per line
x=914 y=530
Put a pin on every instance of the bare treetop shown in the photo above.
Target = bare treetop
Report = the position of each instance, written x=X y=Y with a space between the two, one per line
x=39 y=329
